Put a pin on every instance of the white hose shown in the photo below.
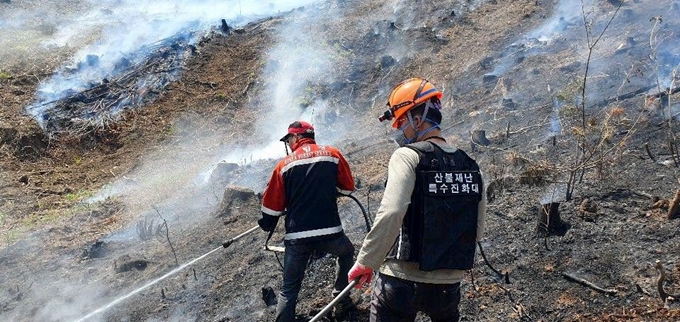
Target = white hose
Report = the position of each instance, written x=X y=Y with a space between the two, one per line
x=337 y=299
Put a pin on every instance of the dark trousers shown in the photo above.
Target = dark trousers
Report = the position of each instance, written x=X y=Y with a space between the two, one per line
x=395 y=299
x=294 y=265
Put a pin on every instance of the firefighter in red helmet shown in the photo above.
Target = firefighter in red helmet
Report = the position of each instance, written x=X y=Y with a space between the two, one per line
x=303 y=189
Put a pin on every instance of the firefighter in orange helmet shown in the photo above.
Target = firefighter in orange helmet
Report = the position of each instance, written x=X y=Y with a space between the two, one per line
x=430 y=217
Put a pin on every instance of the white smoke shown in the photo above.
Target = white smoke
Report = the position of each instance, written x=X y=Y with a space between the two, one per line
x=125 y=27
x=568 y=14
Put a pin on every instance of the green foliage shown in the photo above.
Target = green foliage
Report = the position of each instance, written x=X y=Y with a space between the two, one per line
x=307 y=98
x=35 y=220
x=221 y=96
x=11 y=236
x=77 y=196
x=569 y=92
x=4 y=75
x=569 y=111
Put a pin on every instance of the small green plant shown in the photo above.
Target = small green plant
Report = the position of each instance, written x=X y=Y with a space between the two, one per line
x=36 y=220
x=4 y=75
x=76 y=196
x=569 y=111
x=11 y=236
x=172 y=130
x=221 y=96
x=305 y=102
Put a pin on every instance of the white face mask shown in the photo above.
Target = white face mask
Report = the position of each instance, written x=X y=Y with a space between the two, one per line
x=401 y=139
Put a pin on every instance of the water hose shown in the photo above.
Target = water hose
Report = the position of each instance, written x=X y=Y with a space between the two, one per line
x=229 y=242
x=174 y=271
x=337 y=299
x=363 y=212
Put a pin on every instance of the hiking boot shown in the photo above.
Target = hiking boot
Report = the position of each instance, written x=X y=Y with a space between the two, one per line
x=342 y=309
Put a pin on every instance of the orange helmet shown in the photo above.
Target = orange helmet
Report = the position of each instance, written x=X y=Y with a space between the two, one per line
x=407 y=95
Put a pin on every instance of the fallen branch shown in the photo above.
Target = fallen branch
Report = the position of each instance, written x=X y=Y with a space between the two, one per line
x=524 y=129
x=587 y=283
x=622 y=97
x=641 y=290
x=649 y=153
x=659 y=283
x=245 y=90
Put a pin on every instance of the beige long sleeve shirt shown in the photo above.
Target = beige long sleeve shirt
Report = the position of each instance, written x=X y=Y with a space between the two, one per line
x=396 y=199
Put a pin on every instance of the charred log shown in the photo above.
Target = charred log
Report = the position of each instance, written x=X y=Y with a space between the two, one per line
x=588 y=284
x=127 y=264
x=96 y=250
x=625 y=96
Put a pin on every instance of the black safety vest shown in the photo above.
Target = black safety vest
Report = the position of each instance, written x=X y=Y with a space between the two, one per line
x=439 y=230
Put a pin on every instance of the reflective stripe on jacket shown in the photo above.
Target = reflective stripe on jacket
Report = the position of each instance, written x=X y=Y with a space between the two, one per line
x=305 y=185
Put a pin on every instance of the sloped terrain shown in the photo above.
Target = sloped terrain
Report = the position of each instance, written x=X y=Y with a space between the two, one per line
x=90 y=222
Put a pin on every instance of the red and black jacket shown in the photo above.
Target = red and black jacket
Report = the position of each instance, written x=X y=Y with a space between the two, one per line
x=304 y=186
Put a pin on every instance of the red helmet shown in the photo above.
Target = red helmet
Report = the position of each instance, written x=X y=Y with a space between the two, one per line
x=407 y=95
x=298 y=127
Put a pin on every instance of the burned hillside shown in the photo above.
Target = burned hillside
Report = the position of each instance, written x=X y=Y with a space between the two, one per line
x=132 y=175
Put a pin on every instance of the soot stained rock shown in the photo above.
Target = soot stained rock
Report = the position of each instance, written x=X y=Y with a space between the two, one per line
x=125 y=264
x=97 y=250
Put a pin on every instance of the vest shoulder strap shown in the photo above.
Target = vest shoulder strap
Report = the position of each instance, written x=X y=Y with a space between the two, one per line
x=422 y=146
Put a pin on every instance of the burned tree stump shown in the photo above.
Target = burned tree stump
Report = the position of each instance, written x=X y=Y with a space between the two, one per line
x=237 y=199
x=549 y=221
x=479 y=137
x=225 y=28
x=489 y=79
x=508 y=104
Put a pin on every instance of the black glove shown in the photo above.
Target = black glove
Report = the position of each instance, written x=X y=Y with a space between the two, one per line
x=267 y=222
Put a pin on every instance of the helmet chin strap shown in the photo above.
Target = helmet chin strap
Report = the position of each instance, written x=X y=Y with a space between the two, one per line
x=412 y=124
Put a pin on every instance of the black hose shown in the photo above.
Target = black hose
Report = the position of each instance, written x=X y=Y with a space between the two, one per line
x=369 y=224
x=500 y=275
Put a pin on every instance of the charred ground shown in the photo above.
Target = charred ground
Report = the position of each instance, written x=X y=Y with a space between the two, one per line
x=50 y=237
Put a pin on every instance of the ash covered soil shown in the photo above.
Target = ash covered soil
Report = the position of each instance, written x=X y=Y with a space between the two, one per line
x=72 y=245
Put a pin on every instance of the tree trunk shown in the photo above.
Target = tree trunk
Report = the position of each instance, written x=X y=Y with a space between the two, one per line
x=549 y=221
